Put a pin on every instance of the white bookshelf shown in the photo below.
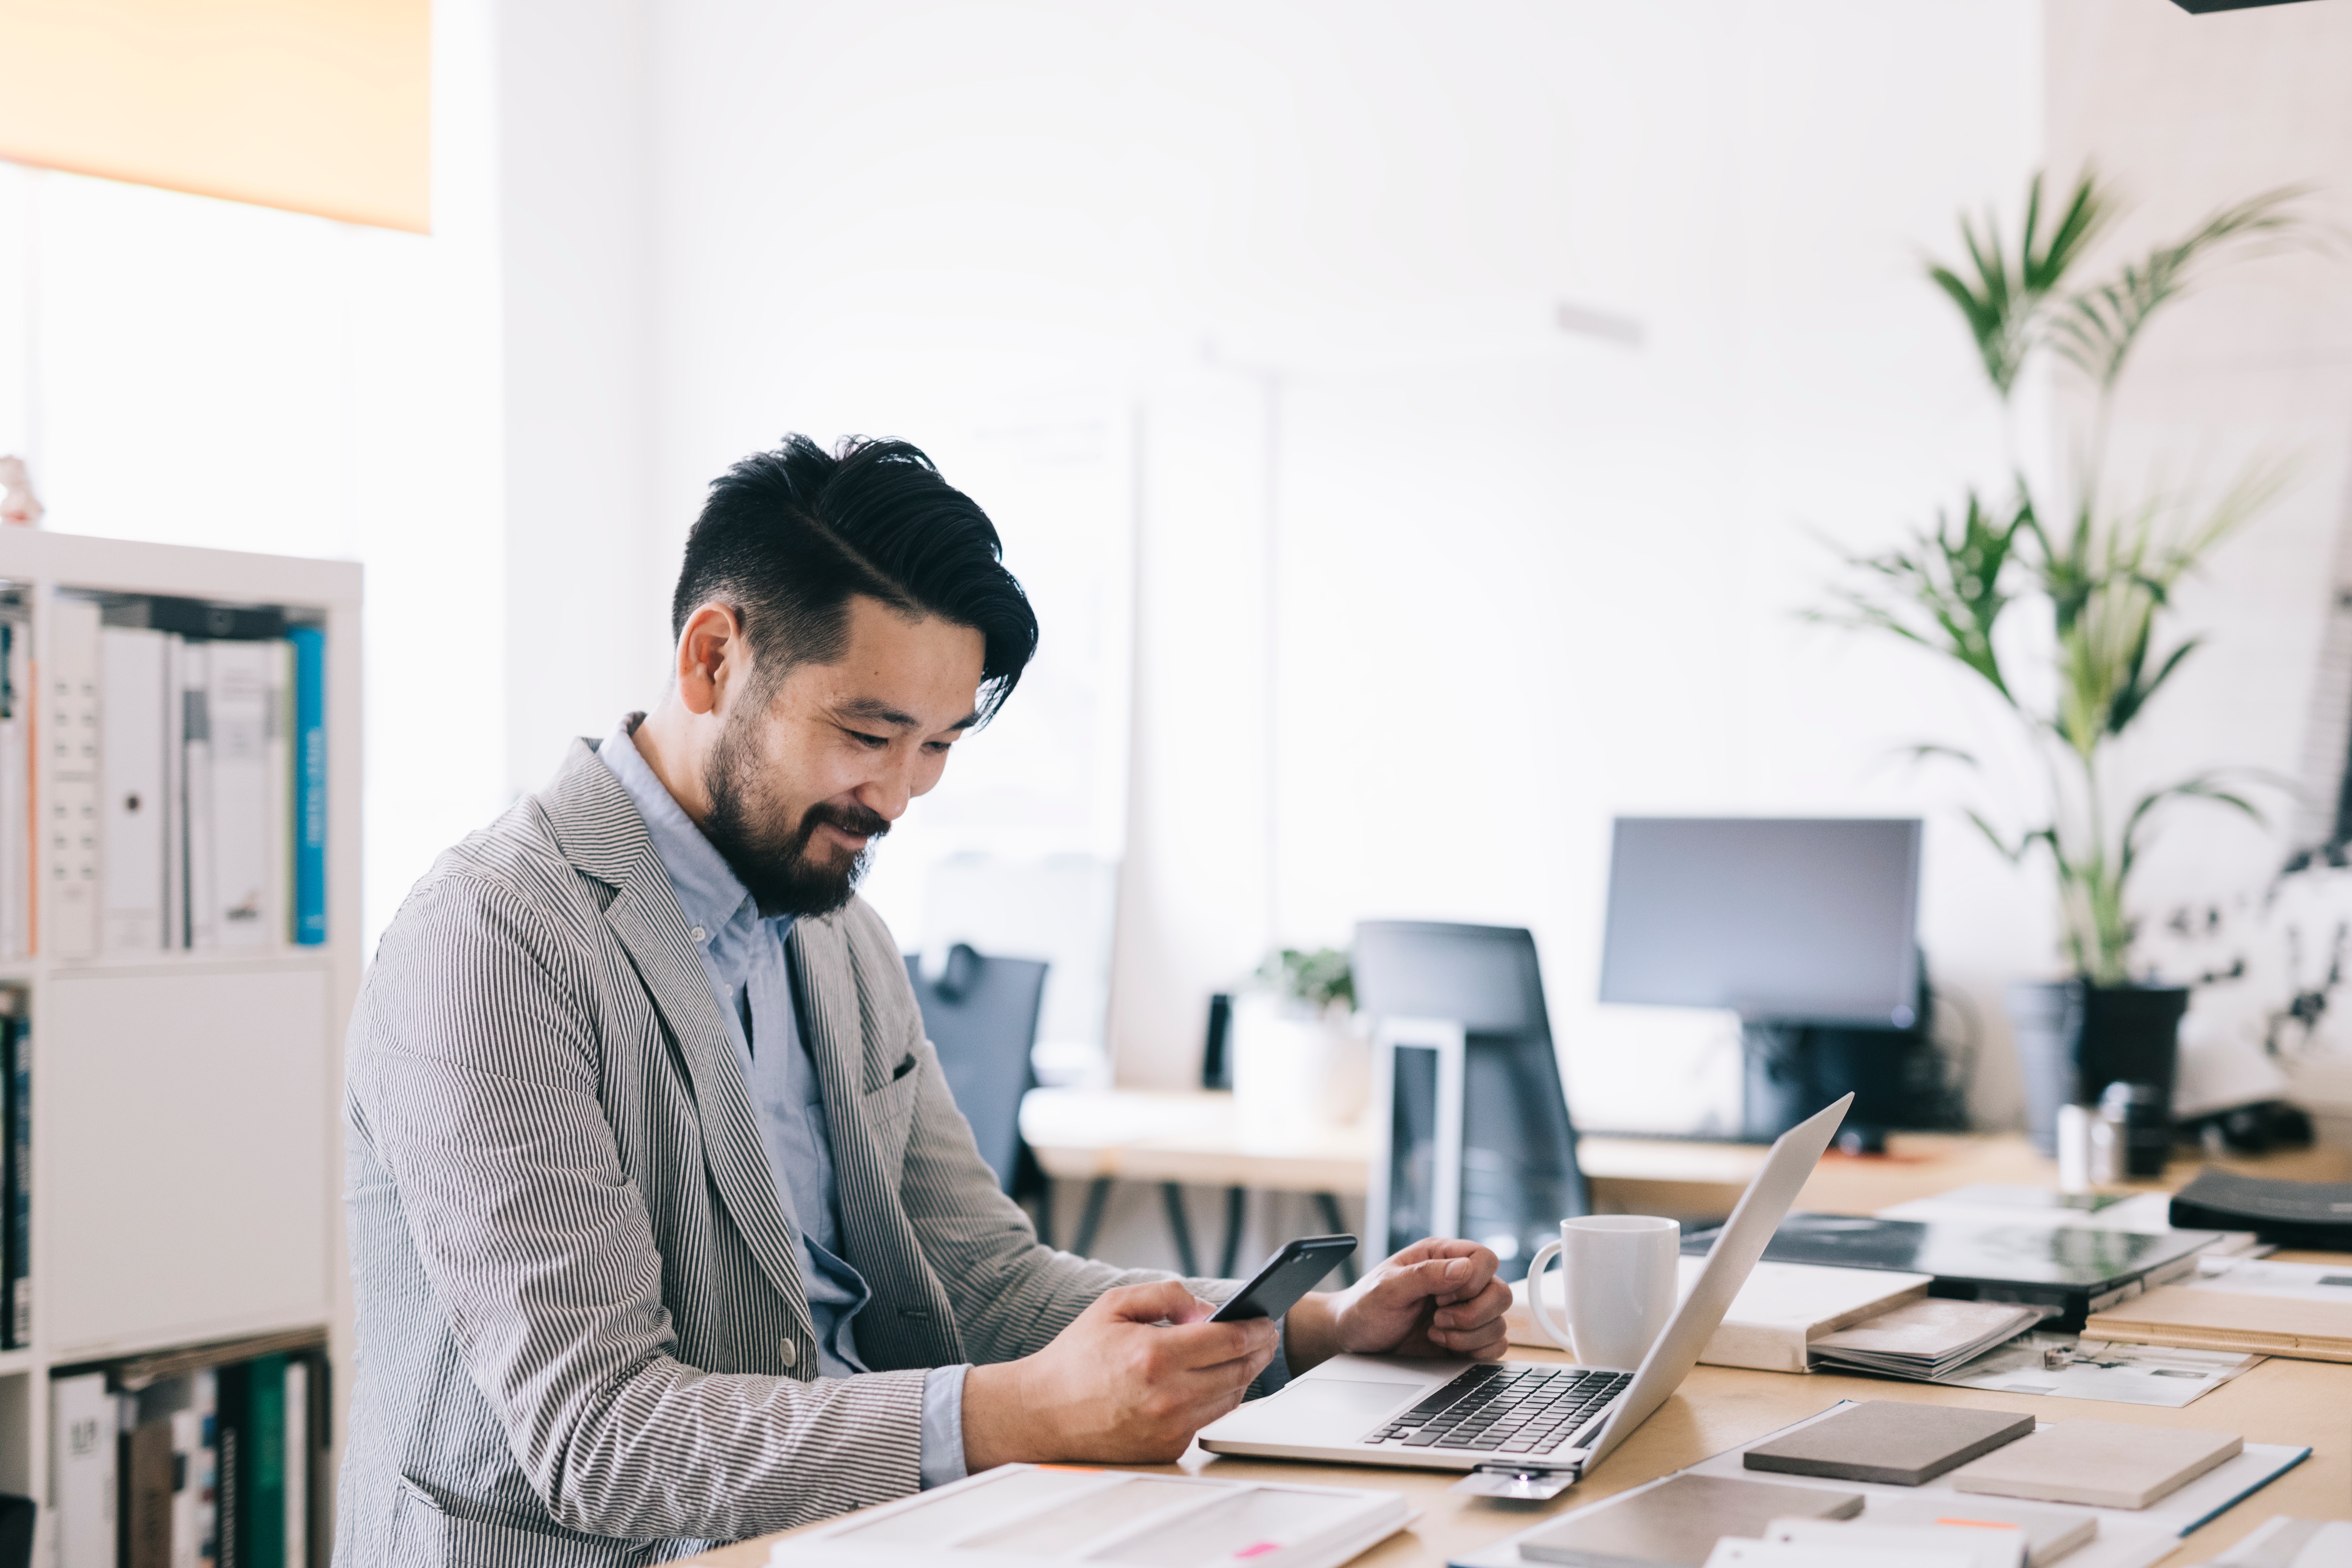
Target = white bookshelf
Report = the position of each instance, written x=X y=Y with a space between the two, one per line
x=187 y=1145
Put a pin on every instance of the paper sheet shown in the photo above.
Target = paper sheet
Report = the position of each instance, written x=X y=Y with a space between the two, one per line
x=2118 y=1373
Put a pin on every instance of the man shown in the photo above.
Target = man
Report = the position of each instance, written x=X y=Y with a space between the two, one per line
x=665 y=1228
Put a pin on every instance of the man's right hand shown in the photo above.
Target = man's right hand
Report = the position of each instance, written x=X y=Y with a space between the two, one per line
x=1112 y=1387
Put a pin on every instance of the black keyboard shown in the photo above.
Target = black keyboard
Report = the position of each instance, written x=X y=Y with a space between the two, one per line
x=1493 y=1409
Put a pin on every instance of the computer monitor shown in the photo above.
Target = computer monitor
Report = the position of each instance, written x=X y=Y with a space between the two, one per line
x=1472 y=1127
x=1797 y=919
x=1806 y=928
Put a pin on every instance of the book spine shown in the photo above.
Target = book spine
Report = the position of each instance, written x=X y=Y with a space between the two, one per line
x=310 y=784
x=134 y=686
x=15 y=870
x=229 y=1427
x=147 y=1495
x=16 y=1307
x=297 y=1463
x=207 y=1407
x=261 y=1510
x=197 y=795
x=187 y=1488
x=82 y=1482
x=72 y=887
x=239 y=712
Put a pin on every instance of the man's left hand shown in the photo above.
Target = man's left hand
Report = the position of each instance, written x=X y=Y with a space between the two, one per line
x=1436 y=1298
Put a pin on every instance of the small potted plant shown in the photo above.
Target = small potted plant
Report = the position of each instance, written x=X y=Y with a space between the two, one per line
x=1298 y=1058
x=2098 y=573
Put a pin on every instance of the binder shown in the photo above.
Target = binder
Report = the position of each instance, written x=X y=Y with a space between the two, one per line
x=201 y=882
x=246 y=908
x=69 y=822
x=135 y=668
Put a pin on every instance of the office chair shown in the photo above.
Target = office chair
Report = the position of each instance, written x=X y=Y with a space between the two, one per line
x=1520 y=1176
x=982 y=1013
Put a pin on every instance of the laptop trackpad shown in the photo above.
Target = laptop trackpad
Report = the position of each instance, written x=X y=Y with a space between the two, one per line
x=1318 y=1409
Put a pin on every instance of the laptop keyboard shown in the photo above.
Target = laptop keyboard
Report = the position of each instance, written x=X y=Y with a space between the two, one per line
x=1497 y=1409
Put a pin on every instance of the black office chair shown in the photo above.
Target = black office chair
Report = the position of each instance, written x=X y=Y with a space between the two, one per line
x=1520 y=1176
x=981 y=1016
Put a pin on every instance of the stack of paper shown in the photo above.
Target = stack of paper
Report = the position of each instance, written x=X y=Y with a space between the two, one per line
x=1926 y=1339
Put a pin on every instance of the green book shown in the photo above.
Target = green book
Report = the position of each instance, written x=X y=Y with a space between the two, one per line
x=253 y=1464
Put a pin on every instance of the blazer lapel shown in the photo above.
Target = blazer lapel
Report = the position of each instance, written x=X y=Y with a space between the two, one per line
x=599 y=830
x=908 y=1323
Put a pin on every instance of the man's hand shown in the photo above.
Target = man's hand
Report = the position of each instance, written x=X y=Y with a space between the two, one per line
x=1436 y=1298
x=1112 y=1387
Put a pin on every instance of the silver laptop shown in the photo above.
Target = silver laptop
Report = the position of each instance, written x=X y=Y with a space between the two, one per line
x=1525 y=1415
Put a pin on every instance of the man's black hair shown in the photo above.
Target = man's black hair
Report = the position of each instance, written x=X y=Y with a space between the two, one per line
x=787 y=536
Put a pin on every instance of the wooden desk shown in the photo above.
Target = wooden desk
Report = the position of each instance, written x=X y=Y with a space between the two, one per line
x=1196 y=1139
x=2303 y=1403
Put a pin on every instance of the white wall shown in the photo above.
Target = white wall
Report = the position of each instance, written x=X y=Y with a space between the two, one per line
x=1520 y=579
x=586 y=588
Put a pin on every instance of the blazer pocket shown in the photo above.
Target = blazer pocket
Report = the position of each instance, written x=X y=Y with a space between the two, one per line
x=430 y=1536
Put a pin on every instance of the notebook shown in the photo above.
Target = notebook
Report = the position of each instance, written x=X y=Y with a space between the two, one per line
x=1018 y=1515
x=1974 y=1546
x=1890 y=1442
x=2106 y=1464
x=1676 y=1523
x=2049 y=1534
x=1926 y=1339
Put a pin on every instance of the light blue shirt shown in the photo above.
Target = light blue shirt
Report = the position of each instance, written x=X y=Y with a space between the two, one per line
x=744 y=955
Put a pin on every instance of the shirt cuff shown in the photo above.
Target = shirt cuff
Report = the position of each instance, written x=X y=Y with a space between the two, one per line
x=1278 y=1370
x=943 y=1425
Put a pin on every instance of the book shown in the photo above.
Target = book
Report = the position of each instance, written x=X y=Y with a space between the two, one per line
x=1889 y=1442
x=16 y=1237
x=2050 y=1534
x=252 y=1490
x=246 y=908
x=133 y=686
x=18 y=827
x=146 y=1470
x=200 y=883
x=297 y=1463
x=2313 y=1214
x=309 y=751
x=1734 y=1552
x=2206 y=1318
x=68 y=905
x=17 y=1516
x=83 y=1426
x=1676 y=1522
x=1974 y=1546
x=2102 y=1464
x=187 y=1487
x=1781 y=1309
x=1020 y=1514
x=1926 y=1339
x=2078 y=1271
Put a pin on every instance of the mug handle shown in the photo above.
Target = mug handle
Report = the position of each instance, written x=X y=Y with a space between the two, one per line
x=1552 y=1332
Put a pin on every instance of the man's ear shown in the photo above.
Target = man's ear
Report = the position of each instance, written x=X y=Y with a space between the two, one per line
x=712 y=658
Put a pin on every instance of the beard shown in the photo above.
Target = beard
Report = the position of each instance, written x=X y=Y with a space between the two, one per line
x=770 y=854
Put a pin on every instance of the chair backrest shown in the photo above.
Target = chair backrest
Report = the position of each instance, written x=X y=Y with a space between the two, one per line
x=980 y=1014
x=1520 y=1176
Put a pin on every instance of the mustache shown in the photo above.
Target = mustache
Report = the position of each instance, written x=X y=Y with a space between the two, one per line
x=855 y=820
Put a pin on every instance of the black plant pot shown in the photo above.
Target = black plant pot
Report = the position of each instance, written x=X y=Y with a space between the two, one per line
x=2073 y=1038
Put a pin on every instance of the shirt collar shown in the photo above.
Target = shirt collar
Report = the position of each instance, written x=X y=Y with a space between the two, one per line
x=708 y=889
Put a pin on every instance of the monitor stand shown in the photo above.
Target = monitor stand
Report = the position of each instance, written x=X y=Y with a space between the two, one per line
x=1789 y=1070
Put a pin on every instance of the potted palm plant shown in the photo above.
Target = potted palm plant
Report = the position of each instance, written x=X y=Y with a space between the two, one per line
x=2098 y=573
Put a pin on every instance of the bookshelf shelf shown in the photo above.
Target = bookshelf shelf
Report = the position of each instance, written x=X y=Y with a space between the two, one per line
x=186 y=1098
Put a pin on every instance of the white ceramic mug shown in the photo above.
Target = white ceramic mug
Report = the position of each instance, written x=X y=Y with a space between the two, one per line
x=1617 y=1280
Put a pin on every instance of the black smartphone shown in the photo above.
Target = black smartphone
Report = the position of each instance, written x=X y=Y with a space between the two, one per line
x=1287 y=1274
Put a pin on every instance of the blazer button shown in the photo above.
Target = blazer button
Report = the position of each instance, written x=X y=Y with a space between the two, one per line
x=787 y=1352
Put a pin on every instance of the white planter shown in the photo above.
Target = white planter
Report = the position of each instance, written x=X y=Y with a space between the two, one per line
x=1294 y=1071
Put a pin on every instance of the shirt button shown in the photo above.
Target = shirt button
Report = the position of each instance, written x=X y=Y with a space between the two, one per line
x=787 y=1352
x=697 y=934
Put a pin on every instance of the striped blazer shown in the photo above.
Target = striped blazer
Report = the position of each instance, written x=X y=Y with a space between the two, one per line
x=583 y=1336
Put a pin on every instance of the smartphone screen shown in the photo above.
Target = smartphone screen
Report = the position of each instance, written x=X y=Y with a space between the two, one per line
x=1287 y=1274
